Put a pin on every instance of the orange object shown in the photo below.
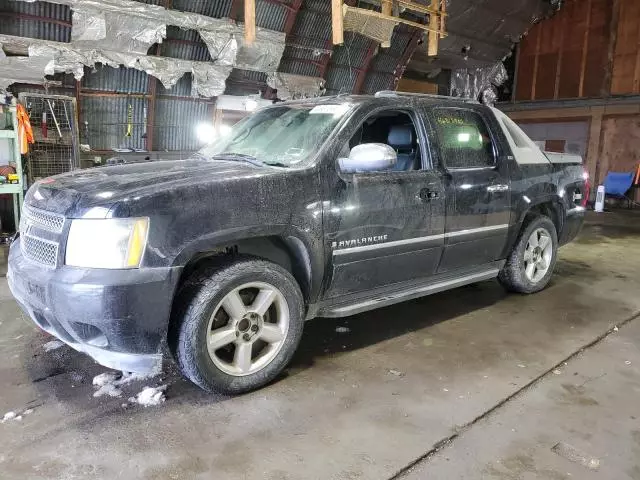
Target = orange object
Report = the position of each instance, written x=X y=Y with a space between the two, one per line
x=637 y=179
x=25 y=132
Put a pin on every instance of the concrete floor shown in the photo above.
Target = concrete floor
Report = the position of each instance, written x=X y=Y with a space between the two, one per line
x=466 y=384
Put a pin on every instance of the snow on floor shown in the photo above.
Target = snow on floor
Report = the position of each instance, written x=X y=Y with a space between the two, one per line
x=8 y=416
x=52 y=345
x=109 y=383
x=150 y=396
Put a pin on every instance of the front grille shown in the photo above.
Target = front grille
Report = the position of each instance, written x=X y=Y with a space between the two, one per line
x=52 y=222
x=40 y=234
x=39 y=250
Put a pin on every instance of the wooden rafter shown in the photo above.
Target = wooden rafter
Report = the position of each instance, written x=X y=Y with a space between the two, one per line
x=435 y=26
x=249 y=21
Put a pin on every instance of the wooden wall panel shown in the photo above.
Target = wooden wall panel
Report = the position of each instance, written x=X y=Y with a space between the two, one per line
x=574 y=40
x=598 y=43
x=576 y=54
x=550 y=44
x=620 y=145
x=627 y=46
x=527 y=63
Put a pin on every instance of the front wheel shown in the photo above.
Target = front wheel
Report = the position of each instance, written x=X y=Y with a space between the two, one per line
x=236 y=325
x=530 y=265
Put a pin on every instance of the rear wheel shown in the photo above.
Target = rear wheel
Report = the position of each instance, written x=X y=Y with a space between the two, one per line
x=236 y=326
x=530 y=265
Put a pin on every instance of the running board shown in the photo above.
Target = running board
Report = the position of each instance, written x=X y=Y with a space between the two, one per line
x=384 y=300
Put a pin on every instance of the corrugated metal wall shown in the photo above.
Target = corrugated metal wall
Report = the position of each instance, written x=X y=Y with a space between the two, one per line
x=176 y=123
x=105 y=93
x=107 y=119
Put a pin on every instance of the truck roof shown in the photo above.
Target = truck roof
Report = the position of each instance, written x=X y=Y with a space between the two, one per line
x=386 y=97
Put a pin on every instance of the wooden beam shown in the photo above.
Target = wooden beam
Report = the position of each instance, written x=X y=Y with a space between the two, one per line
x=636 y=72
x=417 y=7
x=362 y=74
x=151 y=112
x=249 y=21
x=563 y=28
x=79 y=119
x=387 y=7
x=337 y=22
x=611 y=51
x=585 y=50
x=536 y=60
x=291 y=16
x=410 y=49
x=593 y=147
x=234 y=13
x=326 y=58
x=514 y=85
x=434 y=37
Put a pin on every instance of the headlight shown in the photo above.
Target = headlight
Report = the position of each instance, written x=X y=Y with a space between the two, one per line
x=107 y=243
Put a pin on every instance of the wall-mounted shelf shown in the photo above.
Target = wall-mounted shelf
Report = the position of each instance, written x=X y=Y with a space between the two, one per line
x=15 y=189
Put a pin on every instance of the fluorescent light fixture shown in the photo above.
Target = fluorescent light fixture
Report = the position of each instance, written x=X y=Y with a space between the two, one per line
x=464 y=137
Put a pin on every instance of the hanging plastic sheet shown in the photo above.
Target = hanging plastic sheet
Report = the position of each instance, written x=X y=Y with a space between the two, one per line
x=209 y=80
x=115 y=31
x=264 y=54
x=68 y=58
x=292 y=86
x=224 y=38
x=227 y=47
x=23 y=70
x=478 y=83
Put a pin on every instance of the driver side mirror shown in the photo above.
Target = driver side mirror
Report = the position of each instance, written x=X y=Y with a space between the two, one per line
x=369 y=157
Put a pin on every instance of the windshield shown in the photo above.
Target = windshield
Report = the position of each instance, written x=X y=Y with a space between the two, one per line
x=285 y=135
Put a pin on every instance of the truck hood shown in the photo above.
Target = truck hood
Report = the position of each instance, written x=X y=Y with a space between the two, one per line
x=92 y=192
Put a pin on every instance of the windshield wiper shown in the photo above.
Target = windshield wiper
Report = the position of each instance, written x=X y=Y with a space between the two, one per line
x=276 y=164
x=247 y=158
x=238 y=157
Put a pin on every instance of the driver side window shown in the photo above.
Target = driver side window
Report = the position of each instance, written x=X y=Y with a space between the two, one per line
x=393 y=128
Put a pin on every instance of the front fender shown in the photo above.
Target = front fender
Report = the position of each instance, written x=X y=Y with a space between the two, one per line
x=305 y=249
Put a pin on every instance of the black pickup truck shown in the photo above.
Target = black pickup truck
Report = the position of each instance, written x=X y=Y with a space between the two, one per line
x=315 y=208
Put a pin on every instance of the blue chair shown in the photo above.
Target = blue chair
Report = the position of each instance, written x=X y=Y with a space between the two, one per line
x=617 y=185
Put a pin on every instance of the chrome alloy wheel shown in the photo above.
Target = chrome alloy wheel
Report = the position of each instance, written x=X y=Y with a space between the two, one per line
x=248 y=328
x=538 y=255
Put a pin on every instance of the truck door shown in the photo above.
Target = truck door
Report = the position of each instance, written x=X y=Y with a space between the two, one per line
x=385 y=227
x=477 y=188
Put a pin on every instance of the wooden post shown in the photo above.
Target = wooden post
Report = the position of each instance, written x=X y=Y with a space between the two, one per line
x=249 y=21
x=563 y=27
x=387 y=7
x=434 y=22
x=593 y=148
x=536 y=61
x=585 y=50
x=337 y=24
x=611 y=51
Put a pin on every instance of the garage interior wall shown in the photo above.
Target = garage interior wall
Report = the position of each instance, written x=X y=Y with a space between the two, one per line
x=582 y=68
x=572 y=137
x=620 y=144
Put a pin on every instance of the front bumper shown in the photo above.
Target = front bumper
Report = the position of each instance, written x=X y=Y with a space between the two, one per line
x=118 y=317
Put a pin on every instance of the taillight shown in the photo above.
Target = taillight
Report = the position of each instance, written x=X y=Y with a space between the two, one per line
x=587 y=188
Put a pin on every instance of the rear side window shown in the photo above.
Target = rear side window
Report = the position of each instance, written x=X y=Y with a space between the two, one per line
x=464 y=139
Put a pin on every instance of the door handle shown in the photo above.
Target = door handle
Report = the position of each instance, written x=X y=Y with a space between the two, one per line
x=497 y=188
x=427 y=194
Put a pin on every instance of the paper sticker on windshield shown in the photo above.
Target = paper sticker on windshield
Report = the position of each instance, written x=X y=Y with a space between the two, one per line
x=335 y=110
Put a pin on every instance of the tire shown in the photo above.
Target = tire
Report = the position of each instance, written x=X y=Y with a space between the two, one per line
x=216 y=288
x=514 y=275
